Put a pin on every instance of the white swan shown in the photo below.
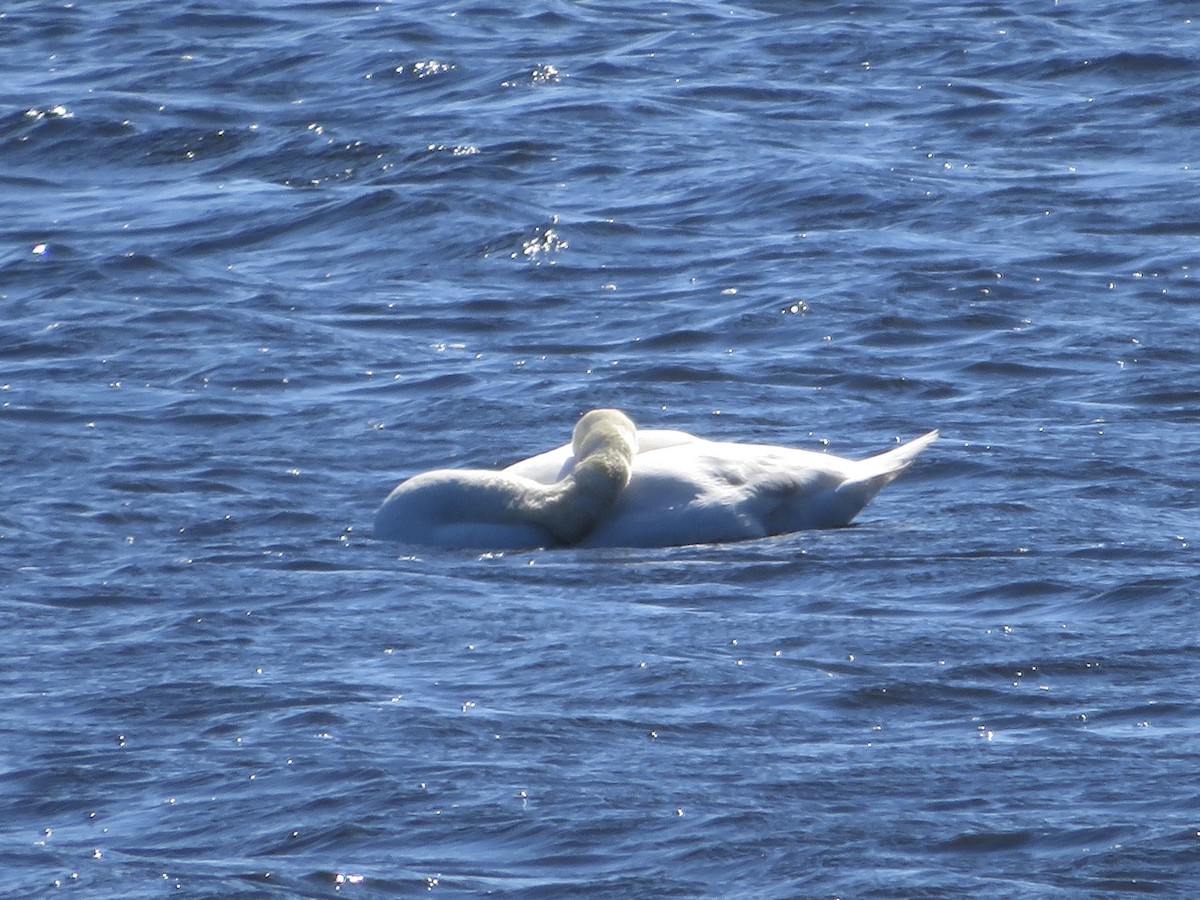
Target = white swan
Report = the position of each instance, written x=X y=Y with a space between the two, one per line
x=681 y=489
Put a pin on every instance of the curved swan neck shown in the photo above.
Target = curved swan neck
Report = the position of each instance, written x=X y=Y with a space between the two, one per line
x=605 y=442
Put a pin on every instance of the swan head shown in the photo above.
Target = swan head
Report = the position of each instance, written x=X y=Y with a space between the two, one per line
x=604 y=429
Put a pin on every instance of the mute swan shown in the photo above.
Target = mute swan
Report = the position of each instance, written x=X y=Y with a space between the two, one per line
x=614 y=486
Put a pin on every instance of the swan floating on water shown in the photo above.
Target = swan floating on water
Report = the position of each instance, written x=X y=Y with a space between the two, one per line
x=617 y=486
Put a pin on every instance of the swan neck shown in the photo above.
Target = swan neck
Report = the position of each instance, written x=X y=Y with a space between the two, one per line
x=605 y=442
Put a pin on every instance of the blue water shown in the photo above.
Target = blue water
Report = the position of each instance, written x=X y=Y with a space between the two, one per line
x=259 y=261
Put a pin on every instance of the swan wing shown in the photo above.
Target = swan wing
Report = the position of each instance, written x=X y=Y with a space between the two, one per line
x=701 y=492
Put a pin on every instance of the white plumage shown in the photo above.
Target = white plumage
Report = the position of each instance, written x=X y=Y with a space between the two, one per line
x=679 y=489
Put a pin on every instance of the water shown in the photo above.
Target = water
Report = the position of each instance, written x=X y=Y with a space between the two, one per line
x=260 y=261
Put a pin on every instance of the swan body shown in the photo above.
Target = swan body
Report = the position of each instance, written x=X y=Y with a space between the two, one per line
x=615 y=486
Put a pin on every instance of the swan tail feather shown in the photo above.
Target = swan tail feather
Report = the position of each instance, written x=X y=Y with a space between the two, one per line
x=873 y=474
x=889 y=464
